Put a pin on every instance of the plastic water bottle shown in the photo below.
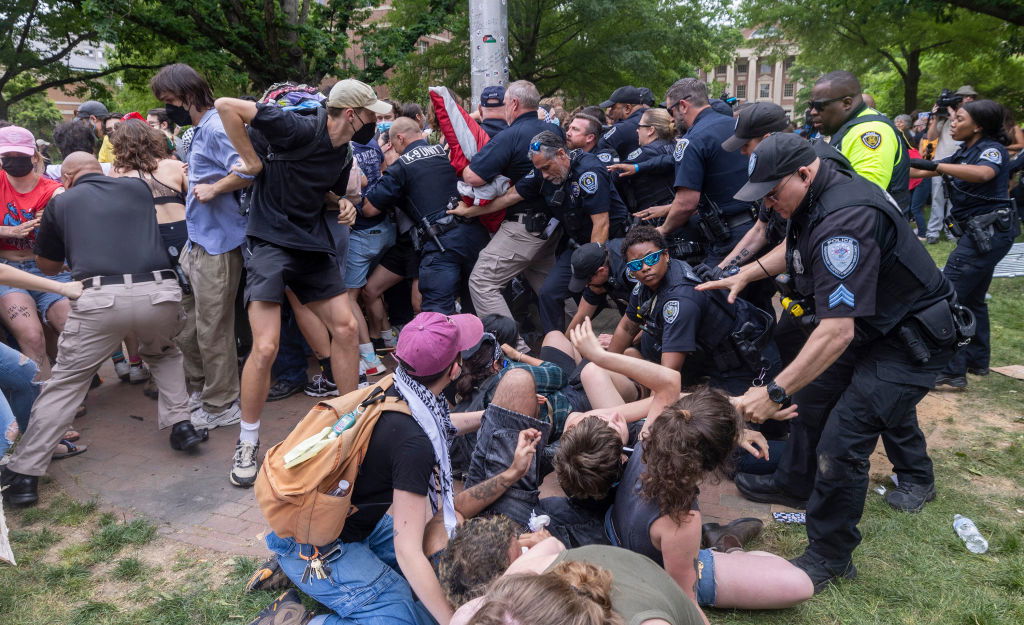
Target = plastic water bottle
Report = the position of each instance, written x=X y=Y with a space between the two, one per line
x=341 y=490
x=968 y=532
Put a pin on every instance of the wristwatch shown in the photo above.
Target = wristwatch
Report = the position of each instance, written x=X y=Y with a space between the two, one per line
x=777 y=394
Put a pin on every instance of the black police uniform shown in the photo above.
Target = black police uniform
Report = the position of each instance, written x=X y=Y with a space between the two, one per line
x=622 y=137
x=649 y=187
x=985 y=215
x=493 y=126
x=620 y=282
x=678 y=318
x=422 y=182
x=702 y=165
x=587 y=190
x=899 y=183
x=851 y=254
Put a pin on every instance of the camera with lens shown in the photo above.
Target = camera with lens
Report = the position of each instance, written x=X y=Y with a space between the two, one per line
x=947 y=99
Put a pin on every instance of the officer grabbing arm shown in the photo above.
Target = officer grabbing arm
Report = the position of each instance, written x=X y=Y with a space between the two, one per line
x=423 y=184
x=883 y=306
x=578 y=192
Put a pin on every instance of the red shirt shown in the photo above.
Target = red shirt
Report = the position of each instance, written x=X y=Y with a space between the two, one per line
x=21 y=207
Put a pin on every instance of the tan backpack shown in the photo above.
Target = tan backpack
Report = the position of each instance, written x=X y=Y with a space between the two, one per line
x=295 y=501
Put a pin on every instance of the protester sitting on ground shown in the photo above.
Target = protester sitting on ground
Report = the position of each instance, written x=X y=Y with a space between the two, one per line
x=406 y=464
x=549 y=585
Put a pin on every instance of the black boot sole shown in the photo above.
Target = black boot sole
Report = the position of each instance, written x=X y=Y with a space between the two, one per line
x=189 y=443
x=21 y=500
x=780 y=498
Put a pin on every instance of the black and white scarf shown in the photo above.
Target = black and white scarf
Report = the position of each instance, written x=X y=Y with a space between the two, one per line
x=431 y=413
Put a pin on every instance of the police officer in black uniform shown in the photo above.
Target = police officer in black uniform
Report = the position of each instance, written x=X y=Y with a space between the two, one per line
x=422 y=183
x=878 y=298
x=982 y=216
x=583 y=133
x=732 y=339
x=492 y=110
x=625 y=107
x=579 y=193
x=599 y=275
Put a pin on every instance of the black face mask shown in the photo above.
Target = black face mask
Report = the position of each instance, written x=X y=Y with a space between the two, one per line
x=179 y=115
x=365 y=133
x=18 y=166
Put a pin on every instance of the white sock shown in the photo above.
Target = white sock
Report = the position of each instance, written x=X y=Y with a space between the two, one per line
x=366 y=351
x=250 y=432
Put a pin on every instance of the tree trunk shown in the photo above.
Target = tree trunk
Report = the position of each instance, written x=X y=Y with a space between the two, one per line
x=911 y=80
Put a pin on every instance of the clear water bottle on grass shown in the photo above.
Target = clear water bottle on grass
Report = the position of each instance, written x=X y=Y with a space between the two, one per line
x=968 y=532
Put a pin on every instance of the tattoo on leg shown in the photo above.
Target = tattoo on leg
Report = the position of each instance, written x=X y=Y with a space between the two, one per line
x=17 y=310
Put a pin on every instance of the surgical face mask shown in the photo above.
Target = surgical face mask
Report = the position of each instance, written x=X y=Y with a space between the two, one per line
x=383 y=127
x=18 y=166
x=179 y=115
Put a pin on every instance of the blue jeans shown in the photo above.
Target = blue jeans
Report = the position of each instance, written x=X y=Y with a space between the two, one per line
x=365 y=247
x=365 y=586
x=19 y=391
x=921 y=195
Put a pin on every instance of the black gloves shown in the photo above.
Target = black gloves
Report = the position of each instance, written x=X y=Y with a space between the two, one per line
x=920 y=163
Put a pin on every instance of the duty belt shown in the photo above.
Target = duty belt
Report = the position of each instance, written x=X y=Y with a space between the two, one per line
x=741 y=219
x=131 y=278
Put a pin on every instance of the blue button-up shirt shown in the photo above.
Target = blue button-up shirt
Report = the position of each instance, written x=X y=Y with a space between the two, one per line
x=216 y=225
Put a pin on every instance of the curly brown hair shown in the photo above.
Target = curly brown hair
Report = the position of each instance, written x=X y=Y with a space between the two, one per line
x=589 y=459
x=475 y=556
x=573 y=593
x=689 y=441
x=137 y=146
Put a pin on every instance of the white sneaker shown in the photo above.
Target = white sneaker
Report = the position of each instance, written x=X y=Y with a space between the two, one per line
x=230 y=416
x=138 y=373
x=372 y=366
x=244 y=467
x=195 y=401
x=123 y=370
x=390 y=338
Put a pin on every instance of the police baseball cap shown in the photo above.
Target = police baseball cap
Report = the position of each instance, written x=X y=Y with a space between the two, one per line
x=585 y=262
x=353 y=94
x=492 y=96
x=91 y=108
x=628 y=95
x=754 y=122
x=775 y=158
x=966 y=90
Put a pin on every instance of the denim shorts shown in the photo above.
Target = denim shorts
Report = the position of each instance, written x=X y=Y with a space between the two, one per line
x=364 y=586
x=365 y=247
x=43 y=299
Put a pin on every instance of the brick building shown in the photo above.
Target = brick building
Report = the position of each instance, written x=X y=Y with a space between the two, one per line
x=753 y=78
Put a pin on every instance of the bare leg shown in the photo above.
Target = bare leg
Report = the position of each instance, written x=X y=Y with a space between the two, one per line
x=517 y=391
x=379 y=281
x=20 y=317
x=312 y=329
x=336 y=313
x=758 y=580
x=607 y=389
x=265 y=319
x=357 y=314
x=559 y=341
x=417 y=299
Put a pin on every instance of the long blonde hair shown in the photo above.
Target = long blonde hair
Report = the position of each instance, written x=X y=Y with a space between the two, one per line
x=573 y=593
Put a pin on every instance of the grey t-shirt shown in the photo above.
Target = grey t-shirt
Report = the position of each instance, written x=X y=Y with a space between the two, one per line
x=103 y=226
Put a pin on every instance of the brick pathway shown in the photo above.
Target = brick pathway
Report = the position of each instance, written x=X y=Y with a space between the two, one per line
x=130 y=467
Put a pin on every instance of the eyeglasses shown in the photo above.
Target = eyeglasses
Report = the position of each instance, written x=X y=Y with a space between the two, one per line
x=650 y=260
x=645 y=126
x=677 y=102
x=819 y=105
x=774 y=194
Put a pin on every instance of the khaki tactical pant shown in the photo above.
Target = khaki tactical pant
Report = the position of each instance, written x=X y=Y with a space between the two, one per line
x=512 y=251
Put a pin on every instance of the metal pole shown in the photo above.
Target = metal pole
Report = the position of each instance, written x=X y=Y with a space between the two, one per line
x=488 y=44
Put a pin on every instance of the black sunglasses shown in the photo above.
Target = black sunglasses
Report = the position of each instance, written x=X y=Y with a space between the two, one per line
x=677 y=102
x=819 y=105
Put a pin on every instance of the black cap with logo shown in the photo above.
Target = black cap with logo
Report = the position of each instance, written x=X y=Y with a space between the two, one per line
x=585 y=262
x=629 y=95
x=775 y=158
x=754 y=122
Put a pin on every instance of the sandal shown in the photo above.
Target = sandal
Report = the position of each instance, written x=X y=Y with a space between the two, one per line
x=72 y=449
x=71 y=435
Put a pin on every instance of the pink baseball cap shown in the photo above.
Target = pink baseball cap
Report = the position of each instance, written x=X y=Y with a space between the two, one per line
x=17 y=139
x=432 y=341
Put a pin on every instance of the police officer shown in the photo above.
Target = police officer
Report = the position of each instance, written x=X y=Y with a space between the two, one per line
x=128 y=289
x=579 y=193
x=625 y=106
x=583 y=133
x=492 y=110
x=732 y=339
x=422 y=182
x=599 y=275
x=878 y=297
x=647 y=176
x=866 y=138
x=976 y=177
x=518 y=246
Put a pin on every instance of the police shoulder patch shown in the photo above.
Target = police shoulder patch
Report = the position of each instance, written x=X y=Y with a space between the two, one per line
x=871 y=139
x=610 y=132
x=530 y=175
x=588 y=182
x=636 y=289
x=840 y=255
x=670 y=311
x=604 y=157
x=751 y=164
x=635 y=153
x=680 y=149
x=992 y=155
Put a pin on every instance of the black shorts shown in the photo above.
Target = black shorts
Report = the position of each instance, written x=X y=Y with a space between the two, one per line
x=269 y=268
x=402 y=259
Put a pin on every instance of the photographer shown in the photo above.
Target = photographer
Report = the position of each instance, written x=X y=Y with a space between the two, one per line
x=940 y=131
x=981 y=215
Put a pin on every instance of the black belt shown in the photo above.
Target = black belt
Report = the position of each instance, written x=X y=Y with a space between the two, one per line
x=149 y=276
